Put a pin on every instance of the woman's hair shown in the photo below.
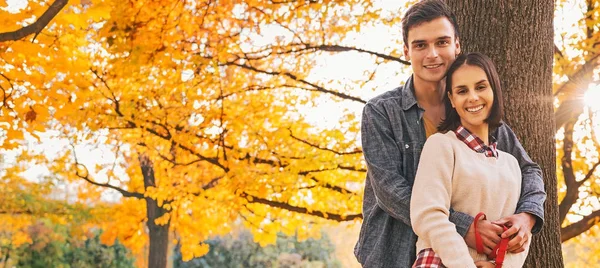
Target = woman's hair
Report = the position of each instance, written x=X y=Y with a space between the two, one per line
x=452 y=120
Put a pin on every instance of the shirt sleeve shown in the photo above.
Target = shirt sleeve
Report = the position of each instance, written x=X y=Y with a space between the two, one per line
x=430 y=204
x=533 y=194
x=383 y=158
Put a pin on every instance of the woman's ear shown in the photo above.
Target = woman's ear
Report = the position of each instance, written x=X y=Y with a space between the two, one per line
x=450 y=98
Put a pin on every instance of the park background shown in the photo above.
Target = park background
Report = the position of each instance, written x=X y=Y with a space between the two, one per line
x=220 y=133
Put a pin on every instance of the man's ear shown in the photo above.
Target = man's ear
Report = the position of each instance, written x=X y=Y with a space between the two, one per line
x=406 y=55
x=457 y=44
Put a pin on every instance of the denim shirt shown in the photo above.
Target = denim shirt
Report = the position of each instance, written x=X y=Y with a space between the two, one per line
x=393 y=136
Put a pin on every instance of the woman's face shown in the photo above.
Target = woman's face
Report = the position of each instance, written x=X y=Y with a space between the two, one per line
x=471 y=96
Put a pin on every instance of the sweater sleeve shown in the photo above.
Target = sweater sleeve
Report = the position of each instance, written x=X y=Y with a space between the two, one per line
x=430 y=203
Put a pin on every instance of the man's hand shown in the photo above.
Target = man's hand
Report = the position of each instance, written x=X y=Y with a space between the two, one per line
x=490 y=234
x=520 y=226
x=485 y=264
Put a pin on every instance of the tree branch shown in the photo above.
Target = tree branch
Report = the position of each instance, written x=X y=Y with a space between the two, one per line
x=212 y=183
x=86 y=177
x=125 y=193
x=327 y=48
x=579 y=227
x=38 y=25
x=558 y=52
x=286 y=206
x=589 y=174
x=589 y=17
x=114 y=98
x=257 y=160
x=167 y=137
x=172 y=160
x=568 y=172
x=326 y=185
x=352 y=168
x=332 y=187
x=248 y=89
x=20 y=212
x=338 y=48
x=28 y=211
x=295 y=78
x=356 y=151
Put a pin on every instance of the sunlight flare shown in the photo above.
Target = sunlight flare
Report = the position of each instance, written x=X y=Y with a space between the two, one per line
x=592 y=97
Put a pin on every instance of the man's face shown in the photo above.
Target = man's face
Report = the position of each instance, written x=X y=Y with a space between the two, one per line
x=431 y=49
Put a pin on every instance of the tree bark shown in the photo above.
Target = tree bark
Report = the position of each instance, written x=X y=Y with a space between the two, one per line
x=159 y=234
x=518 y=36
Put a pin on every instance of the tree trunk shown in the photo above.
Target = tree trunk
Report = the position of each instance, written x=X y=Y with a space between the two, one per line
x=518 y=36
x=6 y=256
x=159 y=234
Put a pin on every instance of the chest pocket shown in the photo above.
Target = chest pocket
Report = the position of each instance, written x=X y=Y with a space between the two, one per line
x=410 y=159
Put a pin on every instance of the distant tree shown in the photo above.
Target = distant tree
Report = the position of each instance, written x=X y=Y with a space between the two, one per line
x=51 y=246
x=95 y=254
x=242 y=251
x=47 y=248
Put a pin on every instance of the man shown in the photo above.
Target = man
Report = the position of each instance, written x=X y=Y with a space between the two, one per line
x=394 y=129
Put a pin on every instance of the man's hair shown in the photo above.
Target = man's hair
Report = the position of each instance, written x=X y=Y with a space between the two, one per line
x=452 y=120
x=426 y=11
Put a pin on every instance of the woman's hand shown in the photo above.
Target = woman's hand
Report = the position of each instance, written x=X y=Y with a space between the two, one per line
x=485 y=264
x=490 y=235
x=519 y=231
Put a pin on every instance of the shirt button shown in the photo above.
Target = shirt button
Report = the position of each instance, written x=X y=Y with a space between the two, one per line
x=406 y=146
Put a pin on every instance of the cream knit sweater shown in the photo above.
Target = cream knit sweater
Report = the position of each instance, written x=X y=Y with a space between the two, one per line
x=452 y=175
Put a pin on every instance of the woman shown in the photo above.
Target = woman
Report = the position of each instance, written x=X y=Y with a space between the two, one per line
x=461 y=168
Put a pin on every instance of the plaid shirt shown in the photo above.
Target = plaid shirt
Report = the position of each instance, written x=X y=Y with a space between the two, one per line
x=427 y=258
x=476 y=143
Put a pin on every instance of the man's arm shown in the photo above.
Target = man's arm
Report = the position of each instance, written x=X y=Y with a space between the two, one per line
x=384 y=165
x=533 y=194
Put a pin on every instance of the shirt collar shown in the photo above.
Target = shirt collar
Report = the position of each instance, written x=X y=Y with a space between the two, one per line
x=408 y=94
x=475 y=143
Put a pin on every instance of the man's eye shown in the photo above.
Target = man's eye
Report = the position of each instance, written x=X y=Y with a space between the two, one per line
x=443 y=42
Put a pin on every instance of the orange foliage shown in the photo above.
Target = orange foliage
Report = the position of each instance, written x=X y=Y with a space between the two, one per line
x=210 y=93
